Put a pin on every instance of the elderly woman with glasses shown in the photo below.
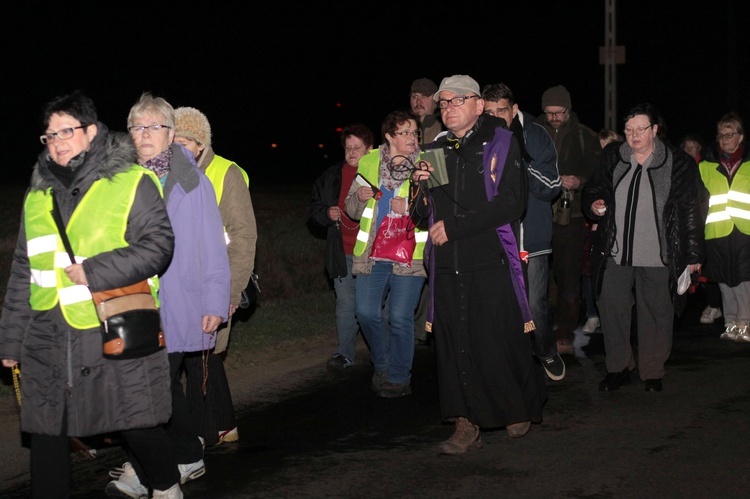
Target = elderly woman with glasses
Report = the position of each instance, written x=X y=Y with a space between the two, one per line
x=194 y=289
x=725 y=171
x=120 y=234
x=387 y=291
x=646 y=199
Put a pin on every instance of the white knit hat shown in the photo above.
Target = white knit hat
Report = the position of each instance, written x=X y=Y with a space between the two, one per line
x=192 y=124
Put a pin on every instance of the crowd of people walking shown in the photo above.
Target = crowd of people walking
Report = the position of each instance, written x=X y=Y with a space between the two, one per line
x=472 y=226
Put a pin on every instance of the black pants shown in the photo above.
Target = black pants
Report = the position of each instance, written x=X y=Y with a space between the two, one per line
x=213 y=412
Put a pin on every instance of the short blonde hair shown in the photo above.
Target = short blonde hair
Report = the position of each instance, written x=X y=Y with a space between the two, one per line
x=150 y=104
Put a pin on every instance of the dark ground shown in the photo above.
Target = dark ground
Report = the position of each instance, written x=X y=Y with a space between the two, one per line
x=332 y=437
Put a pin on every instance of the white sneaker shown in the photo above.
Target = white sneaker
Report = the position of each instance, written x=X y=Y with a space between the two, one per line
x=228 y=436
x=710 y=314
x=730 y=332
x=591 y=325
x=173 y=492
x=191 y=471
x=125 y=484
x=743 y=333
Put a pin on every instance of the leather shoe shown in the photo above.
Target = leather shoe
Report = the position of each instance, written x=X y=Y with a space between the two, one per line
x=613 y=381
x=652 y=385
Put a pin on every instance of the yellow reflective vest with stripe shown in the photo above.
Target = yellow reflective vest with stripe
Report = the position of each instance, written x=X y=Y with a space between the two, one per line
x=97 y=225
x=369 y=167
x=728 y=206
x=216 y=171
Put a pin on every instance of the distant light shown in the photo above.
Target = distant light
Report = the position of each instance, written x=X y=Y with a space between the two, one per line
x=320 y=146
x=339 y=129
x=338 y=104
x=274 y=145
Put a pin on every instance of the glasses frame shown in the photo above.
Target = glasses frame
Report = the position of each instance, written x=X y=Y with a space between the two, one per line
x=48 y=138
x=457 y=101
x=637 y=132
x=416 y=133
x=139 y=129
x=728 y=136
x=554 y=114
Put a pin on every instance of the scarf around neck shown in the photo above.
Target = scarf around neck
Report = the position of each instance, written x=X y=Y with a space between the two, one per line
x=386 y=178
x=731 y=161
x=159 y=164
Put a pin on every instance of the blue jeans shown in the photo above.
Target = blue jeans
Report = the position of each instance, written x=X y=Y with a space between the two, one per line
x=346 y=320
x=538 y=282
x=391 y=341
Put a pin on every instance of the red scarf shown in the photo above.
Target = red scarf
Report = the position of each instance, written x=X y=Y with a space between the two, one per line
x=732 y=161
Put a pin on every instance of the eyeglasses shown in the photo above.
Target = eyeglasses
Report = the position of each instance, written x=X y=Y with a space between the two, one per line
x=554 y=114
x=637 y=131
x=456 y=101
x=63 y=134
x=728 y=136
x=139 y=129
x=415 y=133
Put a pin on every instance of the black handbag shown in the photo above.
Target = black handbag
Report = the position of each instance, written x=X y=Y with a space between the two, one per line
x=129 y=317
x=250 y=294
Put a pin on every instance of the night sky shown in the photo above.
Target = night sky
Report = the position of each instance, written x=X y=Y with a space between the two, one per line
x=291 y=75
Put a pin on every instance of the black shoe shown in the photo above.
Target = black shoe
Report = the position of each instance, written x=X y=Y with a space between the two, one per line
x=339 y=364
x=613 y=381
x=652 y=385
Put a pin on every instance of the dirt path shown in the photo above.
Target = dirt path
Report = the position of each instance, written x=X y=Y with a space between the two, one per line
x=258 y=377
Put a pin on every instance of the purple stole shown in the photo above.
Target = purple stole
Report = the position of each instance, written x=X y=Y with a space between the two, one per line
x=495 y=154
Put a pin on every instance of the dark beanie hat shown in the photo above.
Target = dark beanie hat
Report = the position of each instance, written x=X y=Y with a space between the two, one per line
x=556 y=96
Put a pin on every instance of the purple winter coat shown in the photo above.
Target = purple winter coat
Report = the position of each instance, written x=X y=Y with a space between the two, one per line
x=198 y=279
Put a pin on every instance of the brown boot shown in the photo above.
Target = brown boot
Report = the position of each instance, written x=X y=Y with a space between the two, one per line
x=517 y=430
x=466 y=435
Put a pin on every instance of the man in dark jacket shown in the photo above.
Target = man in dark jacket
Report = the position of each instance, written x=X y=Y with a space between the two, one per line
x=326 y=208
x=486 y=372
x=577 y=155
x=646 y=200
x=540 y=157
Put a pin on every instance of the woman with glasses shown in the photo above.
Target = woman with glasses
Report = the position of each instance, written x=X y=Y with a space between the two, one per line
x=194 y=289
x=725 y=171
x=387 y=292
x=645 y=198
x=118 y=228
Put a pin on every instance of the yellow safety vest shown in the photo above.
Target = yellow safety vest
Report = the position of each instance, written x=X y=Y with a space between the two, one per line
x=216 y=171
x=727 y=206
x=97 y=225
x=369 y=167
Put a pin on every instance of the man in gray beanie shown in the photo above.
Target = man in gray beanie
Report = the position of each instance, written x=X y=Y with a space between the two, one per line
x=577 y=156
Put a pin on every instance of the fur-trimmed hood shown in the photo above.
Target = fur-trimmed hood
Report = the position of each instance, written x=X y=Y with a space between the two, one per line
x=110 y=153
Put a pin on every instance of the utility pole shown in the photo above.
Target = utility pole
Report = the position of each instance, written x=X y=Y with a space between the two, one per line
x=610 y=55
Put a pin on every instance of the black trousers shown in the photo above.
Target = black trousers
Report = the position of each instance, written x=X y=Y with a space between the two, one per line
x=214 y=412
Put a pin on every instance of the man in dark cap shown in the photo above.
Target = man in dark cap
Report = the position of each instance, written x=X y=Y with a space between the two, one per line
x=577 y=156
x=423 y=105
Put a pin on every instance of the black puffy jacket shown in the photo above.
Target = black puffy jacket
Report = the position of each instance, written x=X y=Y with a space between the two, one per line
x=678 y=191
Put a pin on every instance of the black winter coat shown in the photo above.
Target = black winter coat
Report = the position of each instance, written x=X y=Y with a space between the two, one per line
x=64 y=377
x=325 y=194
x=678 y=191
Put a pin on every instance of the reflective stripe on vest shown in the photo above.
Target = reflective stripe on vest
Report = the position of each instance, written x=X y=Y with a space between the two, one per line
x=369 y=167
x=727 y=206
x=97 y=225
x=216 y=172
